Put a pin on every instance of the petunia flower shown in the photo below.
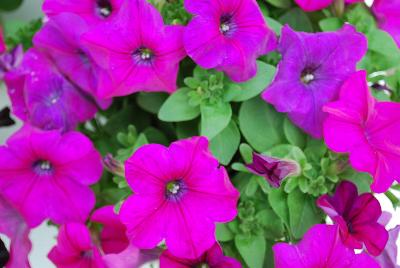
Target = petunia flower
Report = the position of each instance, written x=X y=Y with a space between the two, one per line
x=180 y=193
x=314 y=5
x=357 y=217
x=44 y=98
x=321 y=246
x=47 y=175
x=366 y=129
x=137 y=51
x=3 y=47
x=228 y=36
x=388 y=258
x=312 y=69
x=75 y=248
x=14 y=226
x=213 y=258
x=10 y=60
x=59 y=38
x=274 y=170
x=387 y=13
x=92 y=11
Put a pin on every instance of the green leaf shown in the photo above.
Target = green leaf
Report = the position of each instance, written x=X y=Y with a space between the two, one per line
x=214 y=118
x=271 y=222
x=252 y=249
x=274 y=25
x=251 y=186
x=297 y=19
x=278 y=201
x=260 y=124
x=9 y=5
x=293 y=134
x=187 y=129
x=302 y=213
x=151 y=102
x=382 y=43
x=225 y=144
x=280 y=3
x=330 y=24
x=288 y=151
x=246 y=152
x=253 y=87
x=223 y=233
x=176 y=108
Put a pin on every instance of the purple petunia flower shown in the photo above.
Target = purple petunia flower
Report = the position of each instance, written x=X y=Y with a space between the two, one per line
x=136 y=51
x=10 y=60
x=180 y=193
x=321 y=246
x=274 y=170
x=312 y=69
x=93 y=11
x=357 y=217
x=44 y=98
x=388 y=14
x=47 y=175
x=59 y=38
x=227 y=35
x=214 y=257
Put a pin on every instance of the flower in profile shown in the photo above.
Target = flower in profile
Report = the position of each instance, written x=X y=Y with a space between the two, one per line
x=312 y=69
x=60 y=39
x=214 y=257
x=274 y=170
x=14 y=226
x=5 y=119
x=227 y=35
x=92 y=11
x=180 y=193
x=44 y=98
x=137 y=51
x=75 y=248
x=47 y=175
x=321 y=246
x=10 y=60
x=388 y=14
x=365 y=128
x=357 y=217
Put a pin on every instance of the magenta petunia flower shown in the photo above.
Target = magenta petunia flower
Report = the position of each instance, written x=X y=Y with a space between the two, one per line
x=388 y=14
x=321 y=246
x=75 y=248
x=388 y=258
x=180 y=192
x=214 y=258
x=227 y=35
x=93 y=11
x=136 y=51
x=274 y=170
x=314 y=5
x=44 y=98
x=47 y=175
x=59 y=38
x=13 y=225
x=364 y=128
x=357 y=217
x=312 y=69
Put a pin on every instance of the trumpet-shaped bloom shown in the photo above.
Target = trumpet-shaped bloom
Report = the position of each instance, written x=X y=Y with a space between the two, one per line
x=312 y=69
x=214 y=257
x=366 y=129
x=357 y=217
x=44 y=98
x=13 y=225
x=47 y=175
x=388 y=15
x=180 y=192
x=321 y=246
x=228 y=35
x=59 y=38
x=93 y=11
x=137 y=51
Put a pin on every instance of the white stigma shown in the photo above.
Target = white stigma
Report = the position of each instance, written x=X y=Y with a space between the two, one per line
x=105 y=12
x=224 y=27
x=308 y=78
x=45 y=165
x=174 y=189
x=145 y=55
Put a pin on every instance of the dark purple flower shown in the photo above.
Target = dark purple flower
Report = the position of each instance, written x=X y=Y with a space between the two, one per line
x=10 y=60
x=274 y=170
x=312 y=69
x=357 y=217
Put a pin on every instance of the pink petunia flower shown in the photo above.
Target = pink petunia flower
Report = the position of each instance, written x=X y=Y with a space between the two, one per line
x=214 y=258
x=180 y=192
x=43 y=97
x=312 y=69
x=13 y=225
x=357 y=217
x=59 y=38
x=136 y=51
x=388 y=14
x=75 y=248
x=321 y=246
x=228 y=35
x=366 y=129
x=314 y=5
x=92 y=11
x=47 y=175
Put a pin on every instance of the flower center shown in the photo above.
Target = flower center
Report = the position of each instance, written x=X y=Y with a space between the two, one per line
x=202 y=265
x=104 y=8
x=43 y=167
x=227 y=26
x=175 y=189
x=307 y=76
x=143 y=56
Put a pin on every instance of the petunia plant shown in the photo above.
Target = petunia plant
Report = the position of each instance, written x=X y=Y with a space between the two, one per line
x=202 y=133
